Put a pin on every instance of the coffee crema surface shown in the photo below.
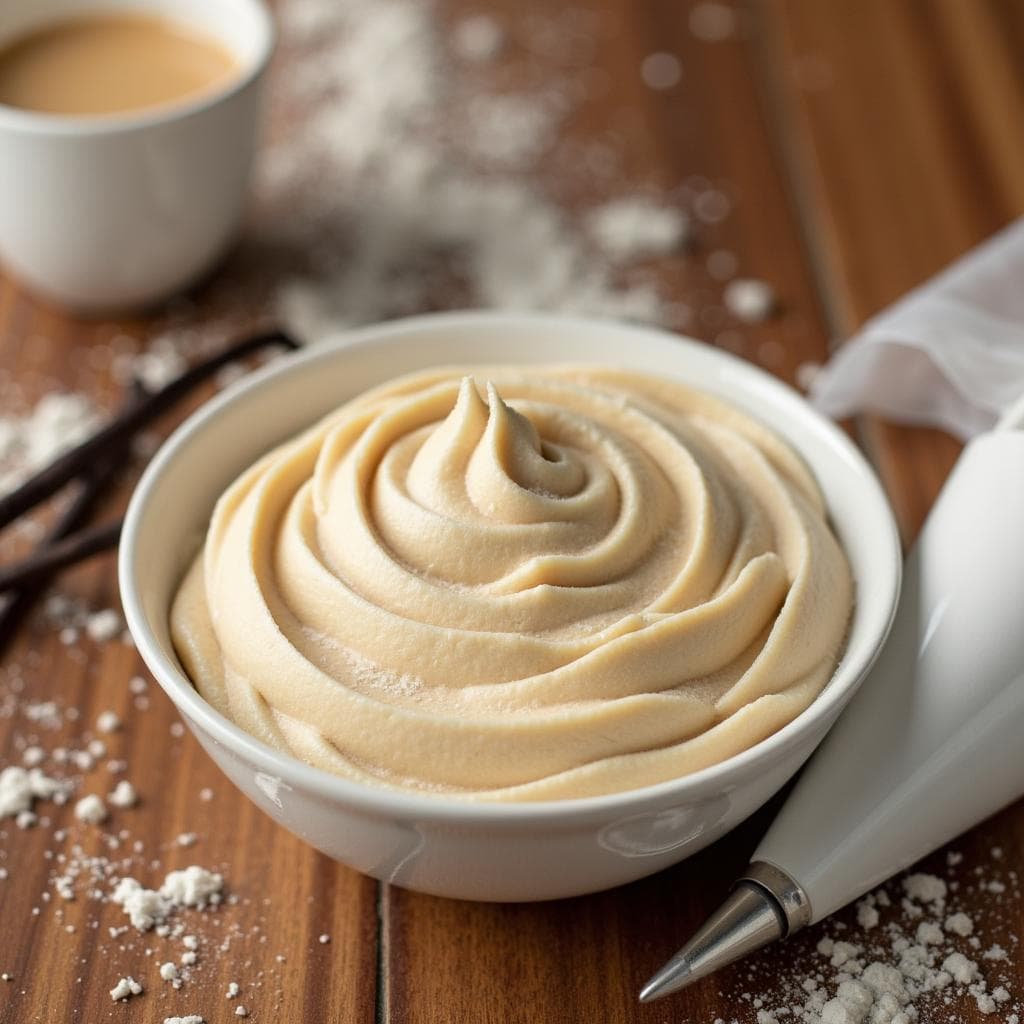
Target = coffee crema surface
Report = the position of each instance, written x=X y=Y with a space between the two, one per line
x=518 y=583
x=110 y=63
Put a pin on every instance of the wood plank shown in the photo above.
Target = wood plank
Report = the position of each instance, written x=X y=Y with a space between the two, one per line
x=906 y=134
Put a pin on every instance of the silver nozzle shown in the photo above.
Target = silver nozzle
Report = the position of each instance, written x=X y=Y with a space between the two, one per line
x=765 y=905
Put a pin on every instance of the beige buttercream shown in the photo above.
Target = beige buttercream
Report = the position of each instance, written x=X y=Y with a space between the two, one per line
x=518 y=583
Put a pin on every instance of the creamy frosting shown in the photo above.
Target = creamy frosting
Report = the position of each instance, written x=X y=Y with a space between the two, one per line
x=518 y=583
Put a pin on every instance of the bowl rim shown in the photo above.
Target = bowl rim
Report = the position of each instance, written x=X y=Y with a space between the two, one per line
x=391 y=803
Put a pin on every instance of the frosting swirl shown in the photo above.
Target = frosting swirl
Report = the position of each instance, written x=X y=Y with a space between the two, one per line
x=518 y=583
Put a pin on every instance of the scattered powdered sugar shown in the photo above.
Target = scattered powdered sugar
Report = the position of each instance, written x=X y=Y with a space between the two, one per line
x=147 y=908
x=509 y=130
x=104 y=625
x=58 y=421
x=928 y=889
x=125 y=989
x=20 y=788
x=170 y=972
x=33 y=756
x=900 y=963
x=749 y=300
x=192 y=1018
x=478 y=38
x=91 y=809
x=413 y=168
x=123 y=795
x=633 y=228
x=108 y=721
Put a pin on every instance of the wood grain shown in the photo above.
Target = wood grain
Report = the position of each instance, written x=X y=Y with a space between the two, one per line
x=904 y=129
x=861 y=144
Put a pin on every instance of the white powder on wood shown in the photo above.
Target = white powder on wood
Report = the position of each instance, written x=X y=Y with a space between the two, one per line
x=28 y=443
x=898 y=964
x=633 y=228
x=509 y=131
x=384 y=157
x=959 y=924
x=104 y=625
x=478 y=38
x=867 y=914
x=125 y=989
x=749 y=300
x=45 y=713
x=192 y=887
x=108 y=721
x=124 y=795
x=20 y=788
x=32 y=757
x=960 y=969
x=91 y=810
x=923 y=888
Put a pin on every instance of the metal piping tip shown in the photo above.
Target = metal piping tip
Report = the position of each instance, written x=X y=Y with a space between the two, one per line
x=764 y=907
x=747 y=920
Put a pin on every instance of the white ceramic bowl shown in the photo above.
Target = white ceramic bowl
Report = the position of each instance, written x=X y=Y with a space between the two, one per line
x=111 y=213
x=443 y=846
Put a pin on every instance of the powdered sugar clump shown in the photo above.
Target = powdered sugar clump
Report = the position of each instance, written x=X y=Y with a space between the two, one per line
x=749 y=300
x=147 y=908
x=633 y=228
x=20 y=788
x=125 y=989
x=124 y=795
x=91 y=810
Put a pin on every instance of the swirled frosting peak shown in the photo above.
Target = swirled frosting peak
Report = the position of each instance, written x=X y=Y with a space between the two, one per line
x=518 y=583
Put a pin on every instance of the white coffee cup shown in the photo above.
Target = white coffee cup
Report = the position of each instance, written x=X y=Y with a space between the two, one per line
x=112 y=213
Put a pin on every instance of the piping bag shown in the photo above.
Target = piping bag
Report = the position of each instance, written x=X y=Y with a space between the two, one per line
x=930 y=744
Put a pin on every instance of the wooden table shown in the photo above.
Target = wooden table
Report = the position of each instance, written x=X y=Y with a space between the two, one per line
x=865 y=144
